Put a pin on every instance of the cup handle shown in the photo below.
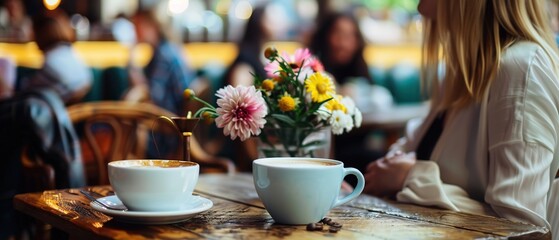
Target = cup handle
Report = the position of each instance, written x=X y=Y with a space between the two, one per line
x=356 y=191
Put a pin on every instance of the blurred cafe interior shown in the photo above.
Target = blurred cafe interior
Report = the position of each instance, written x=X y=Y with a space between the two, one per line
x=103 y=39
x=99 y=56
x=86 y=83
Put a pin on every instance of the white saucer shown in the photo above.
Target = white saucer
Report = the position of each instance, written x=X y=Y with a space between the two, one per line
x=194 y=206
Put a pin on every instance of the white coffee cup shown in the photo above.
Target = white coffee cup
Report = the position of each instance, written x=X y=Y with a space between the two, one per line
x=302 y=190
x=153 y=185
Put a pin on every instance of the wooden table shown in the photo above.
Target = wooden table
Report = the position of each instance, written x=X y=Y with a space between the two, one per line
x=238 y=214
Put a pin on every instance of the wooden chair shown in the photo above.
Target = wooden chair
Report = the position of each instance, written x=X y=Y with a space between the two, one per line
x=115 y=130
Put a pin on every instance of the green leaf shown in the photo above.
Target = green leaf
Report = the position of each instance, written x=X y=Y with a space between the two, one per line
x=314 y=143
x=284 y=118
x=316 y=106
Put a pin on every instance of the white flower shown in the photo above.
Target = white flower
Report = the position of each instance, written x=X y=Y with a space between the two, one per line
x=304 y=73
x=323 y=113
x=339 y=121
x=358 y=117
x=349 y=104
x=349 y=124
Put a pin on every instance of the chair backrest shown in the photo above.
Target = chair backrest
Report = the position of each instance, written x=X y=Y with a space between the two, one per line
x=115 y=130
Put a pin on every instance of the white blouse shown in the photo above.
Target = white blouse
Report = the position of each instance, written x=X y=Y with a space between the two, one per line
x=498 y=157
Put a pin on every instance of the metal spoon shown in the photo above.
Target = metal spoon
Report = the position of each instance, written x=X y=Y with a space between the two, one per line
x=107 y=204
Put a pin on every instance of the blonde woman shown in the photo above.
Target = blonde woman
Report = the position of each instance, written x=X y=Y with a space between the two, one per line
x=490 y=143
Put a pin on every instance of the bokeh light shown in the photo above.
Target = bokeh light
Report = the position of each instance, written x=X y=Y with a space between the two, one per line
x=51 y=4
x=178 y=6
x=243 y=9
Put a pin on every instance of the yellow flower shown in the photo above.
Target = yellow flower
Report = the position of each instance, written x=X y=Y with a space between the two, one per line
x=287 y=103
x=320 y=87
x=268 y=85
x=335 y=104
x=188 y=93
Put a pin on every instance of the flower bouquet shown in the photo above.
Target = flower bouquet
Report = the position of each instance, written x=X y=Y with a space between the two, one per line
x=296 y=99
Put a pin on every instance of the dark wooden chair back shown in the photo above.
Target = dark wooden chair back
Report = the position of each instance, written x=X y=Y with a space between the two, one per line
x=116 y=130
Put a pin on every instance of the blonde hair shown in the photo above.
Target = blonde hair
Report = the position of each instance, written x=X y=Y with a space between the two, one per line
x=469 y=36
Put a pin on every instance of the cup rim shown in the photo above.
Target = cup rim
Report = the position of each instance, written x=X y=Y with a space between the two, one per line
x=116 y=164
x=262 y=162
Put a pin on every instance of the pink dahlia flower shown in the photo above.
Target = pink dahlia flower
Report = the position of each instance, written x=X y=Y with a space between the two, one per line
x=241 y=111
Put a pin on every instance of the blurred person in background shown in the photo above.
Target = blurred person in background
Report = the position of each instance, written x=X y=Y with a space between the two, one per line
x=62 y=70
x=339 y=44
x=166 y=75
x=490 y=142
x=7 y=77
x=162 y=81
x=258 y=31
x=15 y=25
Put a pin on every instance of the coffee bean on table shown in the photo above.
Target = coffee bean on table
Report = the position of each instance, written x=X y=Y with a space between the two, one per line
x=333 y=229
x=326 y=221
x=315 y=227
x=336 y=224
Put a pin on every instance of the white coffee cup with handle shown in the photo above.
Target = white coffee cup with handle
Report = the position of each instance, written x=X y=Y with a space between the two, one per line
x=302 y=190
x=153 y=185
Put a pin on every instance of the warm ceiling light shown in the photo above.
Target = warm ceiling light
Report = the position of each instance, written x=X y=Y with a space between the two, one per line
x=177 y=6
x=51 y=4
x=222 y=7
x=243 y=10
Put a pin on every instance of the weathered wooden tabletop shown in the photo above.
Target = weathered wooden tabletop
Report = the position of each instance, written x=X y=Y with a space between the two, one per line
x=238 y=214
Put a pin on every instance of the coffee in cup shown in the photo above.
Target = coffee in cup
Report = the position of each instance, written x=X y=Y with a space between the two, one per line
x=153 y=185
x=302 y=190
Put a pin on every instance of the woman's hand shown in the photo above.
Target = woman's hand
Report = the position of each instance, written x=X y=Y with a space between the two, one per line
x=346 y=188
x=385 y=176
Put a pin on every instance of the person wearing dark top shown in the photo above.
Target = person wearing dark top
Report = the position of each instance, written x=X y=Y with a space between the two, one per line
x=249 y=60
x=339 y=44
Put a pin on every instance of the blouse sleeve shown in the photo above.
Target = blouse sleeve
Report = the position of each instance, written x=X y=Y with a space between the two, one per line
x=423 y=186
x=522 y=131
x=522 y=135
